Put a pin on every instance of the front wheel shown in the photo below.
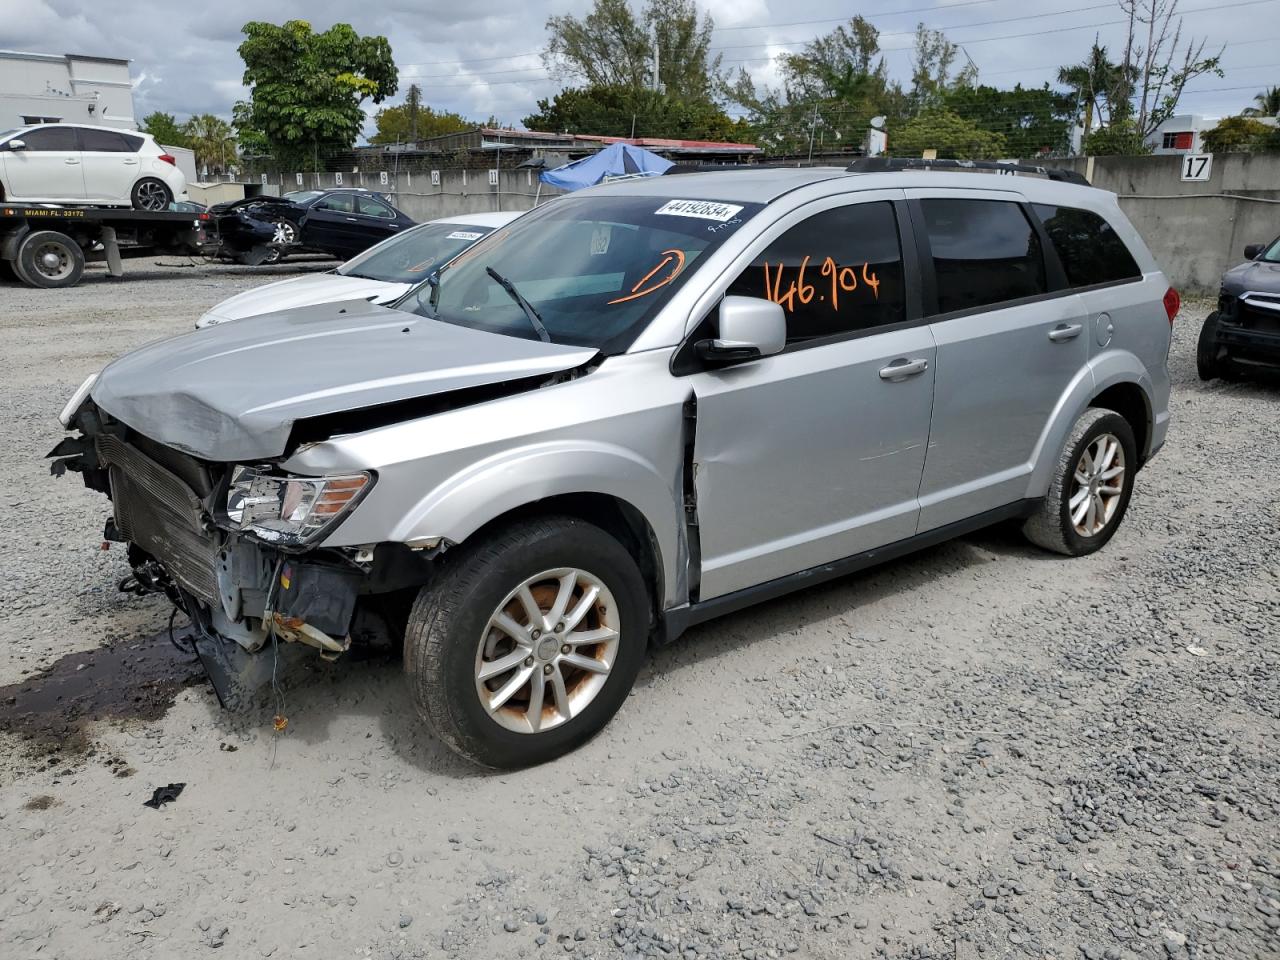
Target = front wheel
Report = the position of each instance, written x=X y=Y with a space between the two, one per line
x=1208 y=365
x=528 y=642
x=1091 y=486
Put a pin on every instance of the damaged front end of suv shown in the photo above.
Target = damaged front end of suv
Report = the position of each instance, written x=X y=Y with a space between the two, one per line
x=196 y=443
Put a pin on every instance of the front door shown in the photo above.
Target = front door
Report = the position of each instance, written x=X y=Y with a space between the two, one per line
x=1012 y=339
x=47 y=169
x=815 y=454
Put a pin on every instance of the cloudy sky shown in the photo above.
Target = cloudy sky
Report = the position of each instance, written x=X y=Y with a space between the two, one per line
x=480 y=57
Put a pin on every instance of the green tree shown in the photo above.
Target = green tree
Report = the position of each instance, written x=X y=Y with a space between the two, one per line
x=612 y=47
x=306 y=88
x=932 y=73
x=165 y=129
x=954 y=137
x=397 y=124
x=212 y=140
x=830 y=91
x=1268 y=104
x=1237 y=135
x=615 y=111
x=1122 y=138
x=1031 y=120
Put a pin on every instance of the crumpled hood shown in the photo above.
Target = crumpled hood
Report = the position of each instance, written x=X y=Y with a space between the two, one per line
x=302 y=292
x=1258 y=275
x=233 y=392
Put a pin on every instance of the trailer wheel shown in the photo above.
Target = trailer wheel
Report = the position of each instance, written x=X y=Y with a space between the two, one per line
x=47 y=258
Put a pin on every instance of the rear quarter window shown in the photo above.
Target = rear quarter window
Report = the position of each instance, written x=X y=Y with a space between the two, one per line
x=1090 y=250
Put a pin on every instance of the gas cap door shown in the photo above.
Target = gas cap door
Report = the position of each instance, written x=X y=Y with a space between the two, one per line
x=1103 y=328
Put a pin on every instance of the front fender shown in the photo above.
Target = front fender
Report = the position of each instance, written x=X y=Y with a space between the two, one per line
x=463 y=503
x=1103 y=371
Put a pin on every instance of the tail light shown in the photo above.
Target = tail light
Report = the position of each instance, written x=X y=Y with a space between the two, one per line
x=168 y=159
x=1172 y=304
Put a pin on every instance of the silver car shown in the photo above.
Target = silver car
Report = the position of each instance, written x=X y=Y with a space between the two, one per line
x=634 y=409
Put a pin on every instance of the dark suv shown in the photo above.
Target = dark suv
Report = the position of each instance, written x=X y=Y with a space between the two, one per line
x=1243 y=334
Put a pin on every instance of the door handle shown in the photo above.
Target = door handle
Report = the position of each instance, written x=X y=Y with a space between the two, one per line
x=1065 y=331
x=70 y=160
x=131 y=162
x=352 y=220
x=902 y=368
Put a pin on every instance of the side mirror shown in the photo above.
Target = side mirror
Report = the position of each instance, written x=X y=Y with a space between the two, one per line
x=1252 y=250
x=16 y=144
x=750 y=328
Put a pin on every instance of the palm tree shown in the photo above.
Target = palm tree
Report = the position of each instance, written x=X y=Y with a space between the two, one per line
x=1268 y=104
x=212 y=140
x=1094 y=81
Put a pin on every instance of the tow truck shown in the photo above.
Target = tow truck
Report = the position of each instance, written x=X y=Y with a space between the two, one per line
x=48 y=246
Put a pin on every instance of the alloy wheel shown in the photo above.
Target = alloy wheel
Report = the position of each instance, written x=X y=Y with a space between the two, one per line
x=152 y=196
x=546 y=651
x=1097 y=485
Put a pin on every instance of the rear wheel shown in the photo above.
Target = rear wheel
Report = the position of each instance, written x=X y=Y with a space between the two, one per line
x=1208 y=365
x=47 y=258
x=528 y=642
x=151 y=194
x=1091 y=486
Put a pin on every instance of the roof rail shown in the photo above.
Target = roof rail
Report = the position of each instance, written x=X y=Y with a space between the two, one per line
x=887 y=164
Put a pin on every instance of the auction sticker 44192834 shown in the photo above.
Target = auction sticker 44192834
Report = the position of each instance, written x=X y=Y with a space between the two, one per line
x=702 y=209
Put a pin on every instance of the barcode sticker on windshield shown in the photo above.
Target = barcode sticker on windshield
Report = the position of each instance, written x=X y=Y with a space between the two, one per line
x=702 y=209
x=464 y=235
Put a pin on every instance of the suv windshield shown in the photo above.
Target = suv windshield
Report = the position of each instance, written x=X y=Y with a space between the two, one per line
x=412 y=255
x=595 y=269
x=1272 y=253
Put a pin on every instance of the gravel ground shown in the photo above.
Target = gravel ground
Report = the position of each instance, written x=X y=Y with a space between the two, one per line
x=980 y=750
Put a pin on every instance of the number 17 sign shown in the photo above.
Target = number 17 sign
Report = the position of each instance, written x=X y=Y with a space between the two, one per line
x=1197 y=166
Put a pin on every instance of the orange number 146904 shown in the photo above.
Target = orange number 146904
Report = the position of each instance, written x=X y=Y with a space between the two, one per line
x=843 y=279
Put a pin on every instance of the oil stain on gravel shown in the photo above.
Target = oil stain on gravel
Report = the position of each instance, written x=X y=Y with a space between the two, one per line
x=130 y=680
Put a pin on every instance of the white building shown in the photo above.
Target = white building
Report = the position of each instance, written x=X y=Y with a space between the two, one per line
x=1181 y=134
x=68 y=88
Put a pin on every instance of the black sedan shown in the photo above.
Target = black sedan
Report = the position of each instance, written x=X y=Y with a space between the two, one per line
x=341 y=223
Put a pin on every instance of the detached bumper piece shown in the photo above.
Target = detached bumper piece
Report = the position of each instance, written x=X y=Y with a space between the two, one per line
x=313 y=604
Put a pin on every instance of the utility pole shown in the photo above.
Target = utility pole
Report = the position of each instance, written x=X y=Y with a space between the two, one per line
x=812 y=129
x=656 y=85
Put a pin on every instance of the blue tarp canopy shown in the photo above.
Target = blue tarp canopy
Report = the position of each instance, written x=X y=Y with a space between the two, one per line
x=615 y=160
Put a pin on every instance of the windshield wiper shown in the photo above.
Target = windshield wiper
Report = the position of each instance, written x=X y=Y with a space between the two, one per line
x=525 y=305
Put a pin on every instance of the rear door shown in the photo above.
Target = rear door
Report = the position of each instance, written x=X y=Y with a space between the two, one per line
x=111 y=165
x=1011 y=340
x=48 y=168
x=815 y=454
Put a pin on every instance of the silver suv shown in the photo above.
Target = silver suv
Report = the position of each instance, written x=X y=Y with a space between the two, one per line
x=634 y=409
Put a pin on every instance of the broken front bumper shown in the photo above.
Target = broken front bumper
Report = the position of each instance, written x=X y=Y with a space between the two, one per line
x=239 y=594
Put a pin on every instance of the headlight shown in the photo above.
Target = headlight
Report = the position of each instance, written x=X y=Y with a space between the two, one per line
x=77 y=398
x=290 y=510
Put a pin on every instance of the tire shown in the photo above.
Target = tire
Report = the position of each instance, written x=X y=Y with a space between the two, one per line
x=47 y=258
x=1052 y=526
x=450 y=637
x=1207 y=362
x=151 y=194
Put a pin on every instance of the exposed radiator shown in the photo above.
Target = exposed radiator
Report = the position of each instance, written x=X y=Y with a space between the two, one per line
x=156 y=510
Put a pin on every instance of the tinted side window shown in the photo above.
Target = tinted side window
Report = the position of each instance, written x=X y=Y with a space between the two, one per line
x=372 y=208
x=102 y=141
x=838 y=272
x=984 y=252
x=1089 y=249
x=339 y=202
x=51 y=138
x=131 y=144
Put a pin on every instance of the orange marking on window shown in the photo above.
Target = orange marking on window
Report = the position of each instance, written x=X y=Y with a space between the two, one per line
x=667 y=257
